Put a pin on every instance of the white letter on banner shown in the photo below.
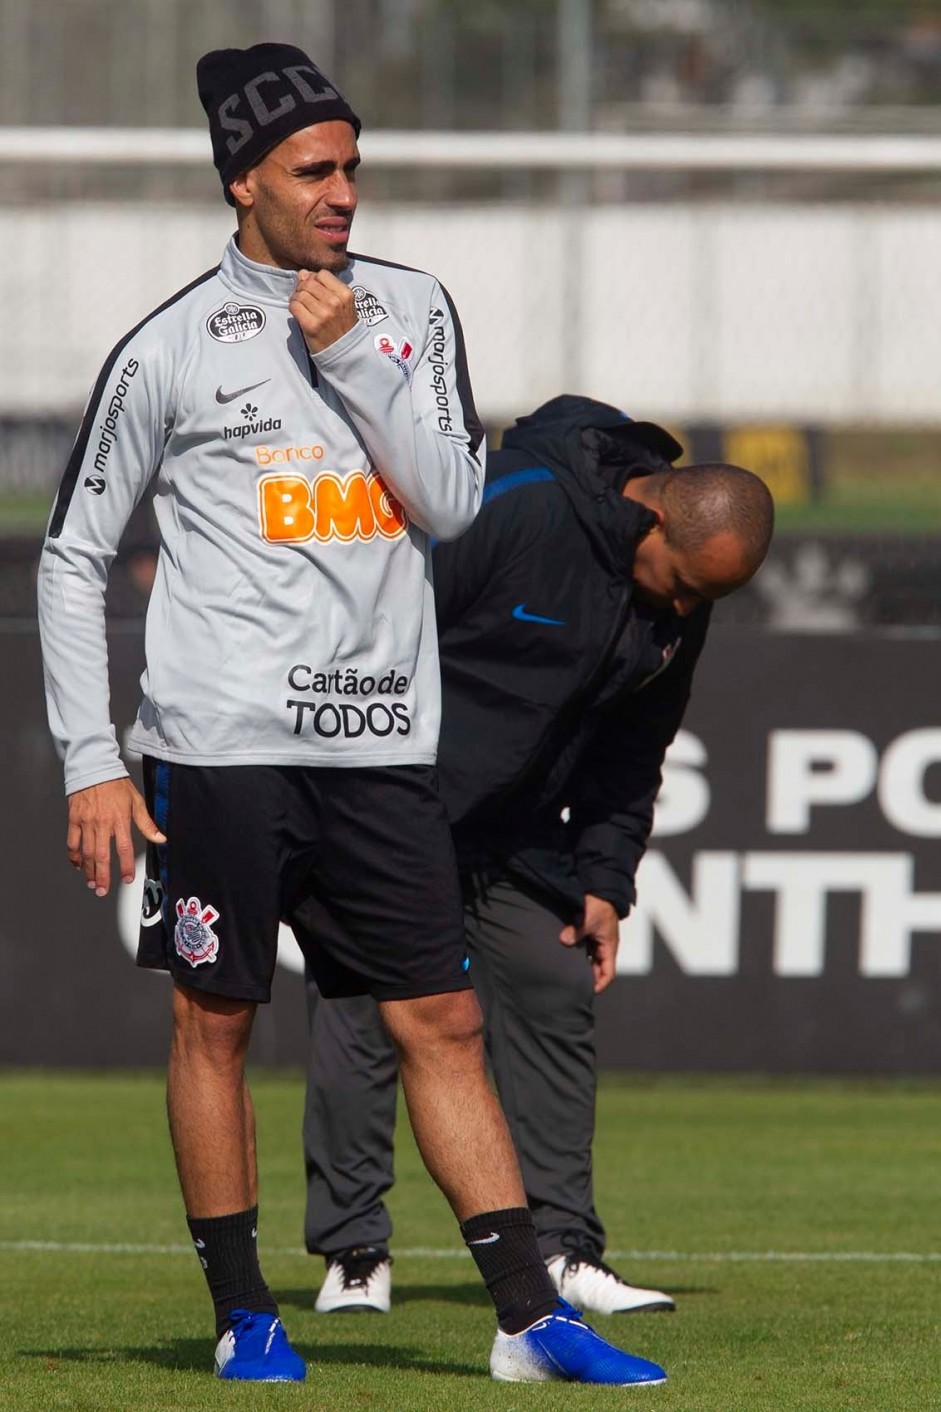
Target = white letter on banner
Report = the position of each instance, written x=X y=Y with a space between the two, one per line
x=700 y=930
x=890 y=911
x=902 y=783
x=683 y=800
x=795 y=781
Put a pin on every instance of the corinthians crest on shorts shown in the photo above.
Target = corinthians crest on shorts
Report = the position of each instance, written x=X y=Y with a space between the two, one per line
x=193 y=935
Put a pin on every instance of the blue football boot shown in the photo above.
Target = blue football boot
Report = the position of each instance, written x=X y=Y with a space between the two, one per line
x=562 y=1348
x=256 y=1350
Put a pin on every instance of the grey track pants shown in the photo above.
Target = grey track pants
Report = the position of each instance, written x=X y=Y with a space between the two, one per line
x=538 y=1003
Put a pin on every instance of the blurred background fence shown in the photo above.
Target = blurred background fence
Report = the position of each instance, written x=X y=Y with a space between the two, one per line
x=737 y=309
x=721 y=214
x=731 y=223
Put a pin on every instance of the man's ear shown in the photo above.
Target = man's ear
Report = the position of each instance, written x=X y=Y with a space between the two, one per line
x=241 y=189
x=658 y=527
x=646 y=491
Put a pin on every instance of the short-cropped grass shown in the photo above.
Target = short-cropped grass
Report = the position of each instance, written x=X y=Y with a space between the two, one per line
x=796 y=1223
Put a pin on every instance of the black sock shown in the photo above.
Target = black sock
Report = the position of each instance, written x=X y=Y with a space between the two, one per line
x=503 y=1243
x=228 y=1252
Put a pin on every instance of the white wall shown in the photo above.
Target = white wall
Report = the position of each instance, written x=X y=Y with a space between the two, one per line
x=680 y=312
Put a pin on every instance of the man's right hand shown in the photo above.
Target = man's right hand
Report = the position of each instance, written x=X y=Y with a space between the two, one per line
x=96 y=816
x=599 y=929
x=324 y=307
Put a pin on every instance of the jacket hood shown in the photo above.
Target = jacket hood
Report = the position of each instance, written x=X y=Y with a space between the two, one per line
x=593 y=449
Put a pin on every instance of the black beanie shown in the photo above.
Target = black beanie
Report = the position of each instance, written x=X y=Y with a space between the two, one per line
x=255 y=98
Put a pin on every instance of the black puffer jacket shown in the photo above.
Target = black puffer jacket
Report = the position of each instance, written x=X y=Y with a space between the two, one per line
x=560 y=692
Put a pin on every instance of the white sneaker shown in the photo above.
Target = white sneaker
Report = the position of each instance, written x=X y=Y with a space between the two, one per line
x=358 y=1279
x=589 y=1283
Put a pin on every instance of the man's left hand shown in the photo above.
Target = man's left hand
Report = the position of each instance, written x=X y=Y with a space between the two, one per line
x=324 y=307
x=598 y=929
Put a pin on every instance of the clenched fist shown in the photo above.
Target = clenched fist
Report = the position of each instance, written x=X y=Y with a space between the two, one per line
x=323 y=306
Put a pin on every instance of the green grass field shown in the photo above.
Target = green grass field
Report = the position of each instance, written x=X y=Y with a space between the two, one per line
x=797 y=1223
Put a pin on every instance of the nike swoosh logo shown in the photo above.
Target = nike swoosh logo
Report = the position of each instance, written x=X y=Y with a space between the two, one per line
x=521 y=616
x=224 y=397
x=485 y=1240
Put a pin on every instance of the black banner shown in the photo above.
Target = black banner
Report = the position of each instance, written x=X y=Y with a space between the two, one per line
x=790 y=913
x=790 y=904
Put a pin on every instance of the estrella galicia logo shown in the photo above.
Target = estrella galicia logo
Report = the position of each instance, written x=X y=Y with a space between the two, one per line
x=95 y=485
x=151 y=908
x=234 y=323
x=368 y=308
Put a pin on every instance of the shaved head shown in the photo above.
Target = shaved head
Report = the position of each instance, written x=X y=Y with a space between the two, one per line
x=700 y=502
x=714 y=525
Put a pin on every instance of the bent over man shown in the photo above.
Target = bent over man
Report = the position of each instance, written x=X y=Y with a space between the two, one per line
x=308 y=420
x=571 y=616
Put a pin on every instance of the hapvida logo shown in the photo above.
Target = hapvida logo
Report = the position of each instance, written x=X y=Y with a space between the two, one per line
x=250 y=427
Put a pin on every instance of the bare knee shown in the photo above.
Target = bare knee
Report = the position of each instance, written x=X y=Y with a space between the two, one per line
x=209 y=1027
x=434 y=1023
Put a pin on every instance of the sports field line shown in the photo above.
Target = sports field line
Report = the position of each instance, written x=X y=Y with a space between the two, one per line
x=679 y=1257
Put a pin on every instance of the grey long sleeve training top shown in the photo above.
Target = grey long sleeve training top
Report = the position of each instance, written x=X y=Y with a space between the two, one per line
x=292 y=618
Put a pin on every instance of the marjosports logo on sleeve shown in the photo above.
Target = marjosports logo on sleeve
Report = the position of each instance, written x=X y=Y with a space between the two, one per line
x=108 y=427
x=439 y=370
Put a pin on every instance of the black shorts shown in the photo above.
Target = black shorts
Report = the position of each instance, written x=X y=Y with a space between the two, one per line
x=359 y=862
